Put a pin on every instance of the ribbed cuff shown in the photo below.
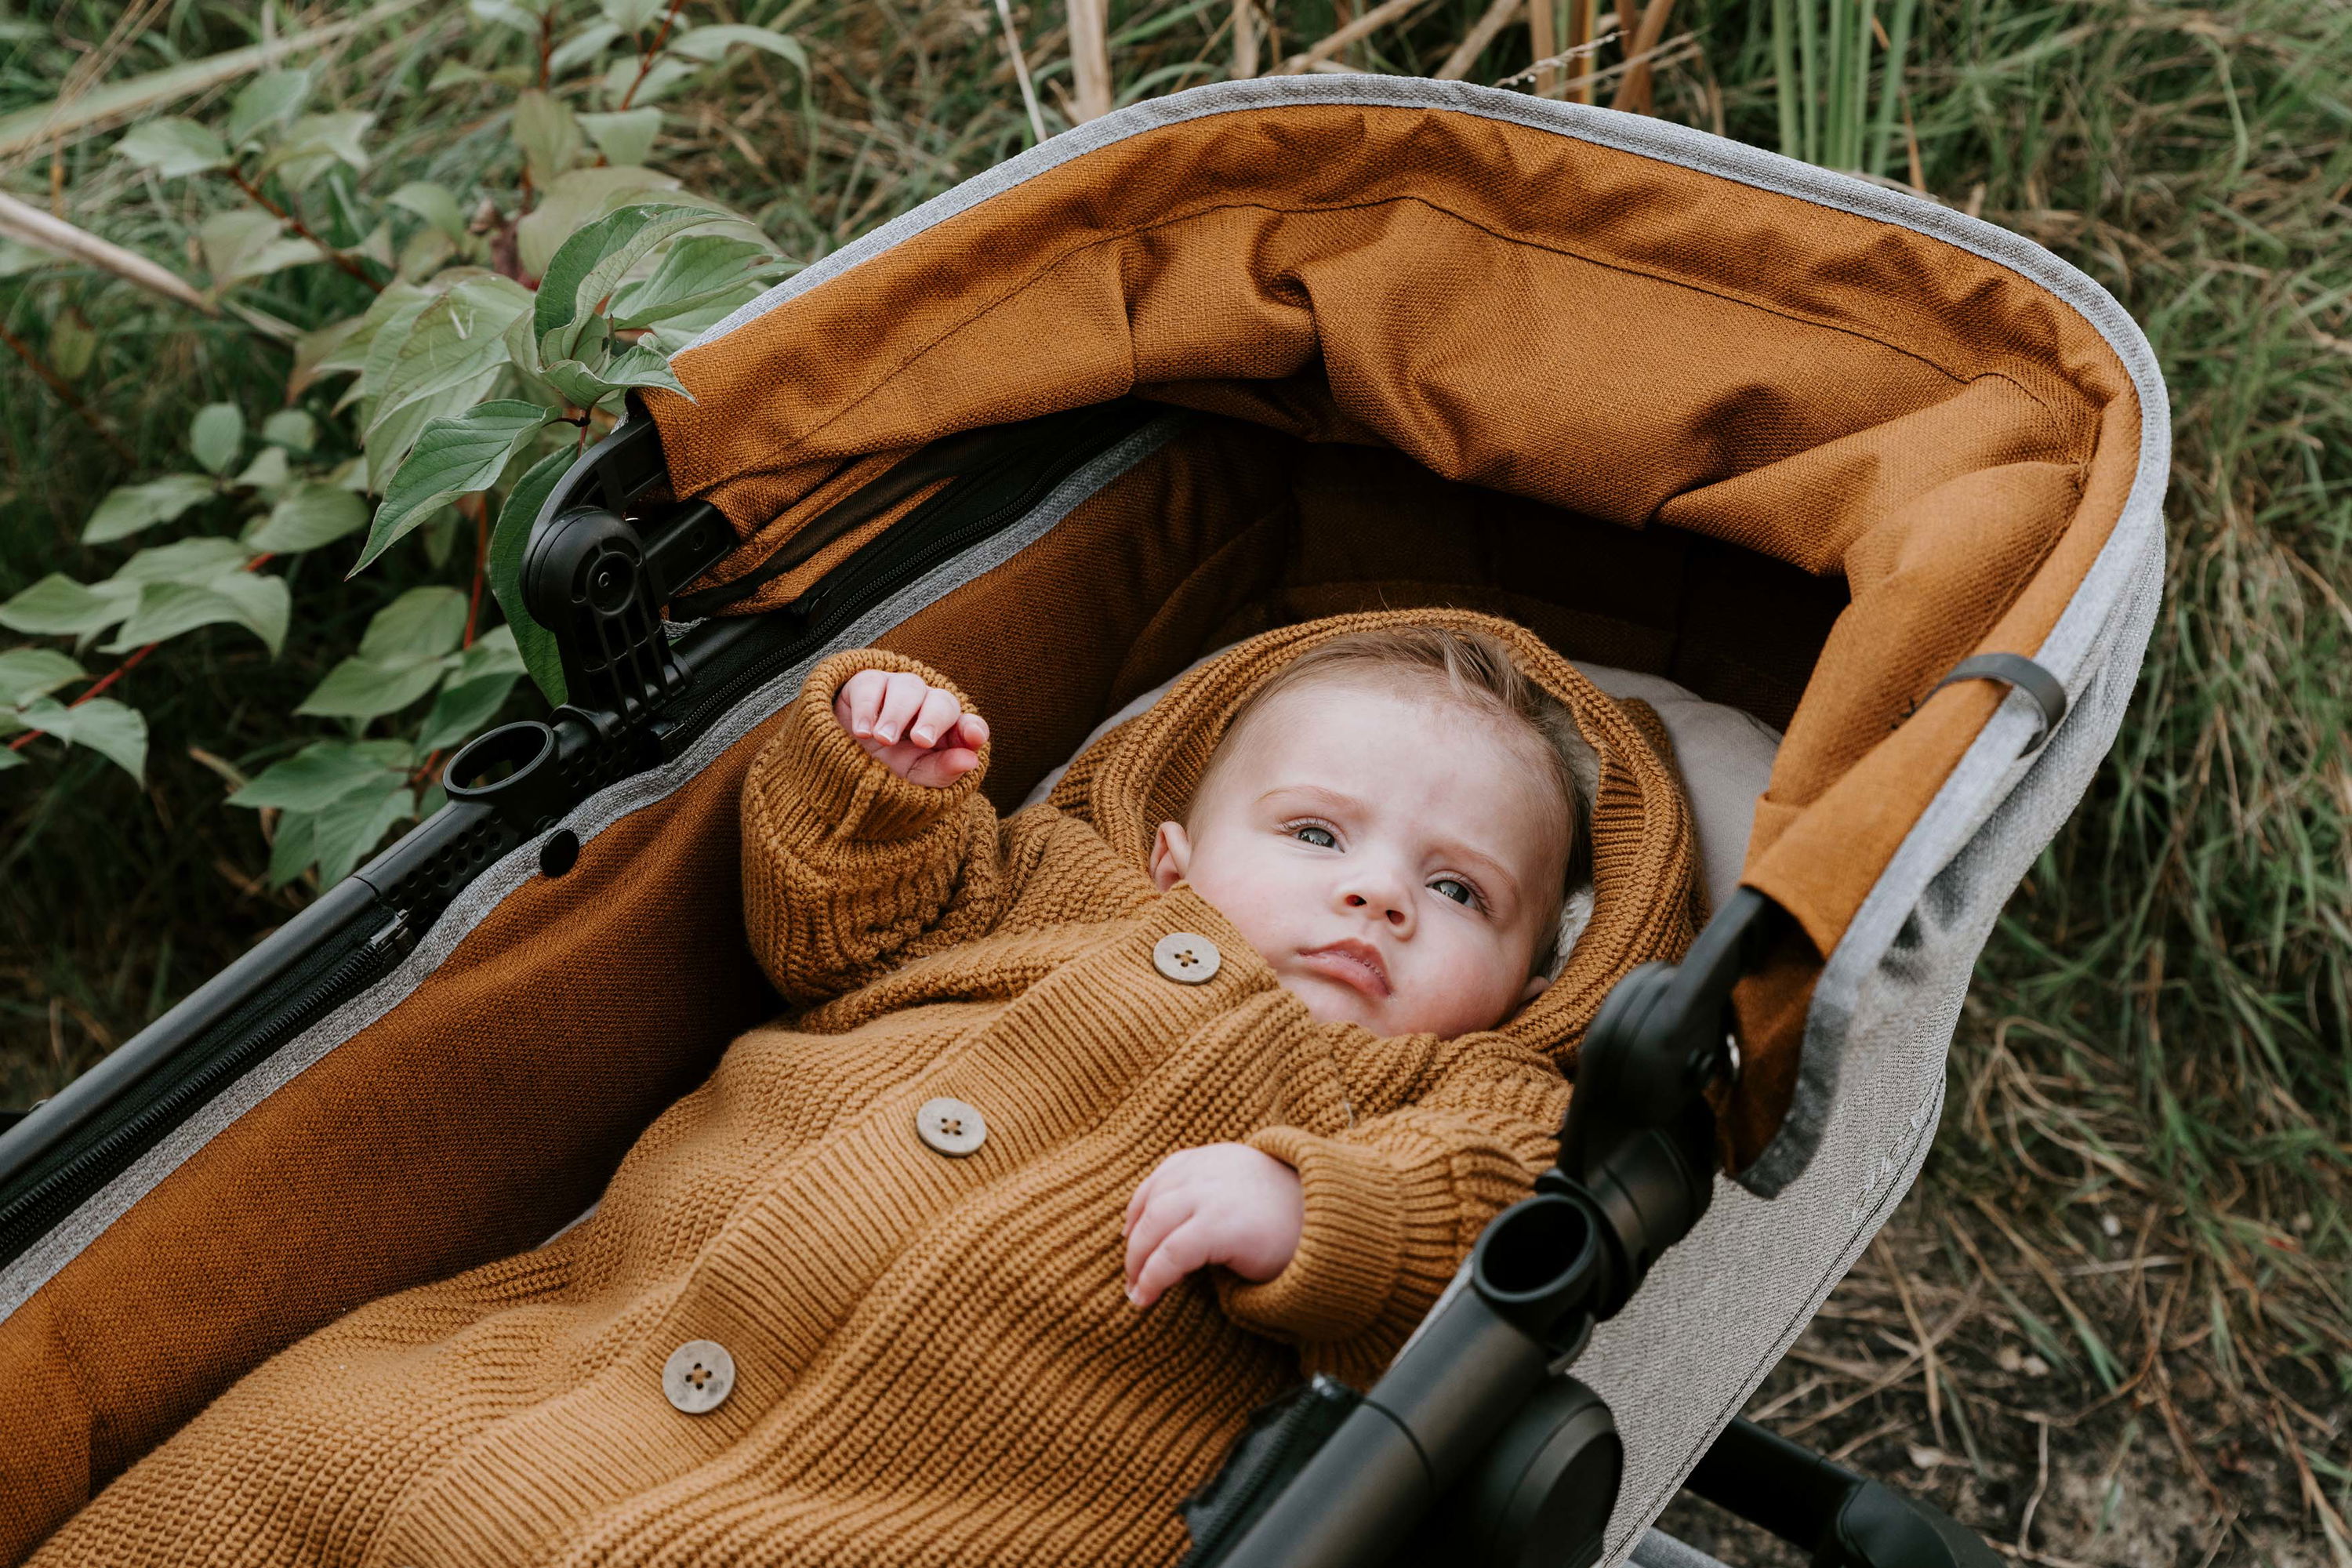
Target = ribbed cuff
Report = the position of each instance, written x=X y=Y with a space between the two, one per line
x=1372 y=1229
x=820 y=783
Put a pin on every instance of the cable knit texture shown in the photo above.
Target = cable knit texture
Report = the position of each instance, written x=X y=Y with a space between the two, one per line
x=935 y=1361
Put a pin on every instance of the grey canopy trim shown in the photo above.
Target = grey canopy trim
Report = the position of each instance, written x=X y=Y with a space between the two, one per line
x=41 y=1262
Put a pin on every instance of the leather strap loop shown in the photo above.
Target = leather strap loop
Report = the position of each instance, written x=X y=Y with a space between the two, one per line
x=2017 y=671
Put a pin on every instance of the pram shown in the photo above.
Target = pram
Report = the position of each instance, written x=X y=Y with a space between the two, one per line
x=1879 y=474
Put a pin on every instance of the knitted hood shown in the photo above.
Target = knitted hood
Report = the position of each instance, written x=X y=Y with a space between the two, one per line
x=1644 y=859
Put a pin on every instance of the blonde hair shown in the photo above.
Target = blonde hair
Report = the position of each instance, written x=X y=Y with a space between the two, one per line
x=1476 y=670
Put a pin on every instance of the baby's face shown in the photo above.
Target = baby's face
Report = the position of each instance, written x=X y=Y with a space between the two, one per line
x=1392 y=855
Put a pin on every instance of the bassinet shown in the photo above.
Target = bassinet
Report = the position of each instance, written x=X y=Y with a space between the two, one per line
x=1249 y=354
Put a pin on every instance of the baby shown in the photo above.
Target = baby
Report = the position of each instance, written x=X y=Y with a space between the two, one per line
x=1083 y=1133
x=1391 y=822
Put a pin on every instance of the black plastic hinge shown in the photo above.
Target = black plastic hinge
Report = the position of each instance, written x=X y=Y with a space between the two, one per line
x=596 y=576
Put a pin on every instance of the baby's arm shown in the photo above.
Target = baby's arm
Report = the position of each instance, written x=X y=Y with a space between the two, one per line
x=1385 y=1210
x=866 y=838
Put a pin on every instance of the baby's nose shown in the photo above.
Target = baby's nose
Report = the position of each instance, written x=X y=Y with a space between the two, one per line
x=1394 y=915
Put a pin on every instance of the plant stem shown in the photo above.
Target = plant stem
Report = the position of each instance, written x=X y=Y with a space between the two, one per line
x=342 y=262
x=482 y=513
x=1784 y=76
x=652 y=52
x=1807 y=102
x=1890 y=85
x=66 y=393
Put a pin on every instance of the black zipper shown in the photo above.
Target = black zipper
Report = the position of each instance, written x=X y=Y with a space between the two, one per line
x=304 y=997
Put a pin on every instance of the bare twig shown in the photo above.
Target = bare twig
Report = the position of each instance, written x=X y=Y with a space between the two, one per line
x=1245 y=39
x=1580 y=40
x=1543 y=39
x=1489 y=26
x=28 y=225
x=66 y=393
x=337 y=258
x=653 y=53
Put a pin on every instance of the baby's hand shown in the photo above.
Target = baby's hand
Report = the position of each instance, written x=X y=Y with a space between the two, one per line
x=916 y=730
x=1225 y=1204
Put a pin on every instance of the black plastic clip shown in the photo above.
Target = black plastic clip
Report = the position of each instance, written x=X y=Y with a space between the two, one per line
x=597 y=578
x=2015 y=669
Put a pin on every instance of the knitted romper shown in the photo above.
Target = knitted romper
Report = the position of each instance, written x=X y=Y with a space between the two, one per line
x=932 y=1360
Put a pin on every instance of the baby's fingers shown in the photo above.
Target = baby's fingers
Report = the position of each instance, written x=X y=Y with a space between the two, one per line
x=1186 y=1248
x=859 y=701
x=899 y=704
x=935 y=719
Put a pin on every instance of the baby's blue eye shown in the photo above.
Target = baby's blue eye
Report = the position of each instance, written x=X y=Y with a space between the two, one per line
x=1459 y=891
x=1321 y=837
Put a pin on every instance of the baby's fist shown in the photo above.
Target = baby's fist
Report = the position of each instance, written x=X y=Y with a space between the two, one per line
x=914 y=729
x=1224 y=1203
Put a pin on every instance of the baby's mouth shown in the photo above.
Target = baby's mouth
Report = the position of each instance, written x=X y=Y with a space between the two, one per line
x=1353 y=963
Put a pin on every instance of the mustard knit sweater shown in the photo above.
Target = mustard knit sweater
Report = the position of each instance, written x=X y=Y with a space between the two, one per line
x=933 y=1362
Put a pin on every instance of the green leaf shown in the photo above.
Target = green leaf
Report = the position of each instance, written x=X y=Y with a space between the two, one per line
x=694 y=271
x=624 y=84
x=636 y=366
x=709 y=42
x=436 y=205
x=582 y=47
x=493 y=653
x=292 y=429
x=269 y=98
x=509 y=540
x=317 y=143
x=131 y=508
x=576 y=199
x=632 y=15
x=115 y=732
x=453 y=457
x=72 y=345
x=313 y=513
x=464 y=707
x=421 y=624
x=173 y=147
x=522 y=15
x=255 y=601
x=244 y=243
x=29 y=672
x=368 y=688
x=216 y=436
x=451 y=356
x=593 y=262
x=294 y=850
x=356 y=824
x=9 y=759
x=549 y=134
x=56 y=606
x=266 y=473
x=627 y=137
x=198 y=559
x=320 y=774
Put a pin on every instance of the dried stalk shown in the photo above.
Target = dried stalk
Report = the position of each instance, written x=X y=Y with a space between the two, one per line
x=1021 y=70
x=1483 y=32
x=1581 y=33
x=1636 y=92
x=1090 y=58
x=1543 y=40
x=1363 y=26
x=28 y=225
x=1245 y=39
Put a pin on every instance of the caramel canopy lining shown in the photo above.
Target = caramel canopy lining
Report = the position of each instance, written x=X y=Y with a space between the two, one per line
x=1514 y=309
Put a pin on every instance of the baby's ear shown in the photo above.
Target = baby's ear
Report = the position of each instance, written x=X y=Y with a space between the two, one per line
x=1172 y=856
x=1535 y=988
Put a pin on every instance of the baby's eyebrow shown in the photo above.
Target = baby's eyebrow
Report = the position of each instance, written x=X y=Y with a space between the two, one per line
x=1332 y=798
